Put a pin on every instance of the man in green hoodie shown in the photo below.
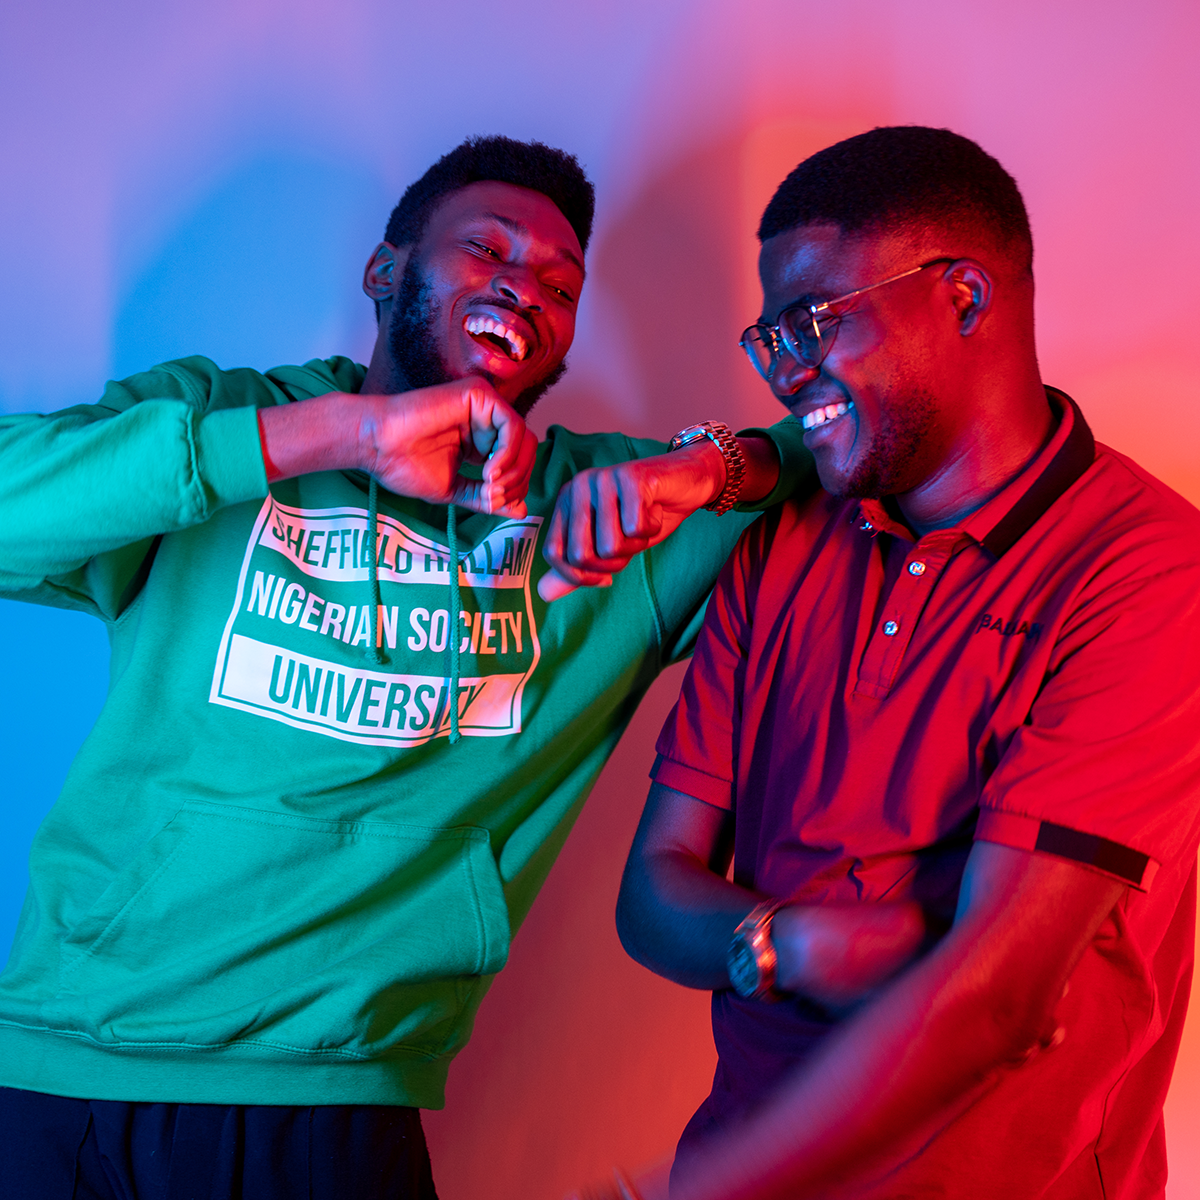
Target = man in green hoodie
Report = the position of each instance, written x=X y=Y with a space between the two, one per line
x=346 y=734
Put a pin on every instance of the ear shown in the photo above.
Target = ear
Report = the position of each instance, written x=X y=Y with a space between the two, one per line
x=383 y=271
x=971 y=291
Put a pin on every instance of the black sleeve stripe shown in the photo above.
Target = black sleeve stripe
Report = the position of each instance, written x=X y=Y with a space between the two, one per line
x=1093 y=851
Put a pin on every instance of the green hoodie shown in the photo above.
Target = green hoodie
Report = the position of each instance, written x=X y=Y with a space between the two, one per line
x=270 y=877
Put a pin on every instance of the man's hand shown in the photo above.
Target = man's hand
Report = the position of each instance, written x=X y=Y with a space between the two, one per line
x=676 y=914
x=414 y=443
x=838 y=954
x=606 y=515
x=421 y=438
x=650 y=1183
x=981 y=1003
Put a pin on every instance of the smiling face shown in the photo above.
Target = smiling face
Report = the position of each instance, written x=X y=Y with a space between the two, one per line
x=875 y=412
x=491 y=289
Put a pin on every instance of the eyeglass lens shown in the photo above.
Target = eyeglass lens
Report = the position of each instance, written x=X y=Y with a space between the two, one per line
x=758 y=342
x=800 y=338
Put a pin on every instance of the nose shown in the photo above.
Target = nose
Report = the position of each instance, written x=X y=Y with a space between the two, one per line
x=518 y=288
x=790 y=376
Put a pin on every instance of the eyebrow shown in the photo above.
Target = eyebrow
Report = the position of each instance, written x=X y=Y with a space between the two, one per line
x=523 y=229
x=808 y=300
x=763 y=319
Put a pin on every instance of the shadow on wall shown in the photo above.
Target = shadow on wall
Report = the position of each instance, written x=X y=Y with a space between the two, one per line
x=672 y=266
x=590 y=1058
x=680 y=270
x=667 y=271
x=265 y=270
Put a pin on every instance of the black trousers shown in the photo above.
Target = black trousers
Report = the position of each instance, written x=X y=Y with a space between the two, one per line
x=55 y=1148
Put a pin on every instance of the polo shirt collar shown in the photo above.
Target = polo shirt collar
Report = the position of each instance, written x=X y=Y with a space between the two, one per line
x=998 y=524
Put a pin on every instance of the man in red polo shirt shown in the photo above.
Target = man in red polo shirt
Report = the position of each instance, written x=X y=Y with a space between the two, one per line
x=943 y=719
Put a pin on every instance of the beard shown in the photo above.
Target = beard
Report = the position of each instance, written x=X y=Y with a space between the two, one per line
x=897 y=460
x=412 y=339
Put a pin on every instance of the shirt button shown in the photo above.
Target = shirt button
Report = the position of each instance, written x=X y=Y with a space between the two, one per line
x=890 y=628
x=916 y=568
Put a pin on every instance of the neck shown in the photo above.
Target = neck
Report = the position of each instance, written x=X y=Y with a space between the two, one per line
x=383 y=377
x=990 y=452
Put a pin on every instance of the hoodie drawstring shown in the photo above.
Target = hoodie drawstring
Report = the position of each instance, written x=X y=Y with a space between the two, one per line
x=455 y=610
x=375 y=650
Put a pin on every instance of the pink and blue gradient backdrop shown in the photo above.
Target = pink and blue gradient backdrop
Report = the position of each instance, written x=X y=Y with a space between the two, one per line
x=210 y=178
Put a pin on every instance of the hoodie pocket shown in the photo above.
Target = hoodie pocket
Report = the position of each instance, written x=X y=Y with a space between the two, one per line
x=346 y=938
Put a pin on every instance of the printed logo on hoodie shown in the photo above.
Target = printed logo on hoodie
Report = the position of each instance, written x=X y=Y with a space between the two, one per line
x=296 y=644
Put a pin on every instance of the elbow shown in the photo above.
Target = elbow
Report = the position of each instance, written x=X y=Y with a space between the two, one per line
x=630 y=924
x=645 y=932
x=626 y=934
x=623 y=922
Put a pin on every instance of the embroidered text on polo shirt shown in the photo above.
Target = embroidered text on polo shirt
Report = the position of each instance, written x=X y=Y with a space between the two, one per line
x=1007 y=628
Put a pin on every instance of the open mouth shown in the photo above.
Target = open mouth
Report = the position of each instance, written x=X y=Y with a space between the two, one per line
x=822 y=416
x=497 y=334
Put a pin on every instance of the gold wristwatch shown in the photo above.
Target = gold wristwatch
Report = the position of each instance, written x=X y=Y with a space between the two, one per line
x=731 y=451
x=751 y=957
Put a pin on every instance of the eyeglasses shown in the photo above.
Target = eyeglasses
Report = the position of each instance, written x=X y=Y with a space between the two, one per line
x=806 y=331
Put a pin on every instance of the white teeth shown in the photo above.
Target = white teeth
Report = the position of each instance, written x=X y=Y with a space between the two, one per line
x=479 y=323
x=819 y=416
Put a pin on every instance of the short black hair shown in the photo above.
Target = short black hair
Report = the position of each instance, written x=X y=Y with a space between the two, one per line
x=554 y=173
x=904 y=177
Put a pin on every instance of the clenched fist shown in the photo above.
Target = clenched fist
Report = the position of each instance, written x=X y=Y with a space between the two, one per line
x=414 y=443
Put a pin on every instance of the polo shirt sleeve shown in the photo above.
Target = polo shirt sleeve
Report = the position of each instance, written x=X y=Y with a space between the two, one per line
x=1106 y=769
x=696 y=749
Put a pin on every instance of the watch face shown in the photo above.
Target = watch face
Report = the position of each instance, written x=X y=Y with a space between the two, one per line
x=743 y=968
x=685 y=437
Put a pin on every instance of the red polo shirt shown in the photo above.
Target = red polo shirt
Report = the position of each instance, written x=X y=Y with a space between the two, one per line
x=869 y=704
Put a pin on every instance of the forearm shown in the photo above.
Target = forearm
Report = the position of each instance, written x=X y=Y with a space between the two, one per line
x=413 y=443
x=928 y=1045
x=676 y=917
x=704 y=458
x=762 y=468
x=677 y=912
x=882 y=1086
x=326 y=433
x=604 y=516
x=838 y=954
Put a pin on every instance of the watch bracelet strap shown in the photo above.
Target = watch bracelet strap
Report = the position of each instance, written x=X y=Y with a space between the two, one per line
x=726 y=442
x=735 y=466
x=758 y=922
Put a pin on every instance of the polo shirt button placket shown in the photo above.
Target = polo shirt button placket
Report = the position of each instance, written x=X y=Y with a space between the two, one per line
x=880 y=663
